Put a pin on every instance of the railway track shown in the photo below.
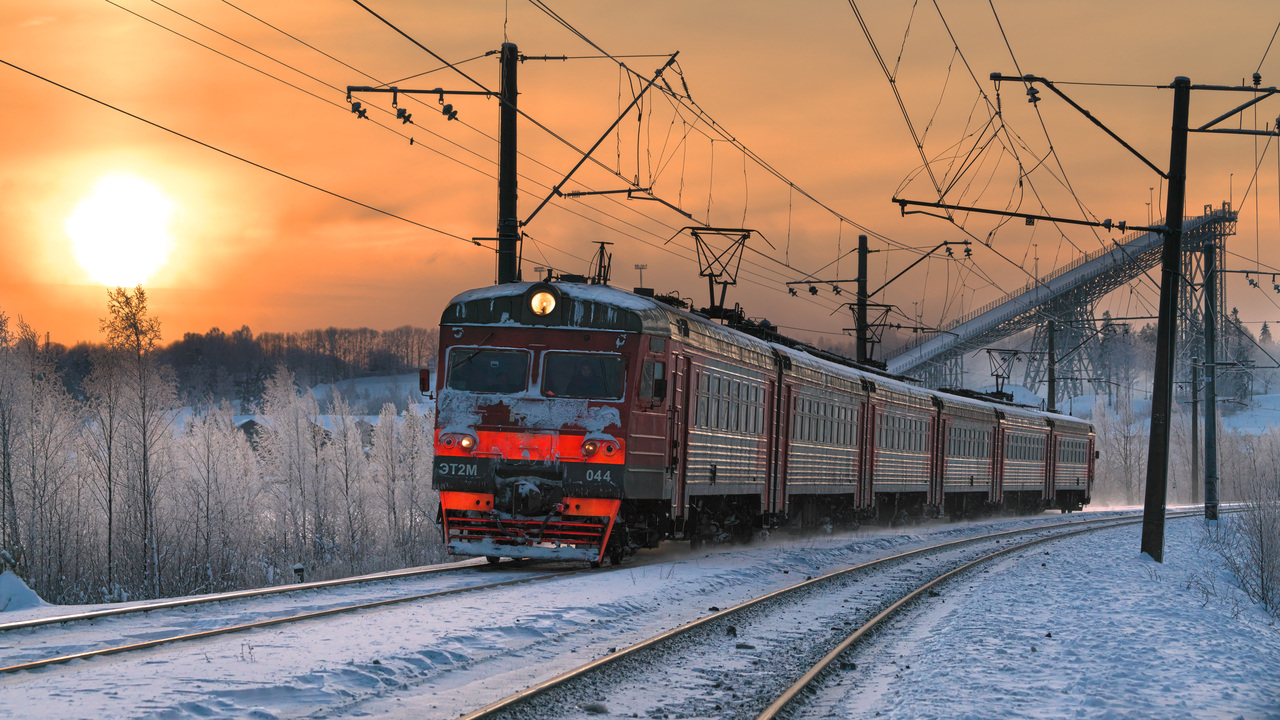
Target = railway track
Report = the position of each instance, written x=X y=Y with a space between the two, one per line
x=50 y=655
x=733 y=660
x=444 y=657
x=47 y=645
x=149 y=607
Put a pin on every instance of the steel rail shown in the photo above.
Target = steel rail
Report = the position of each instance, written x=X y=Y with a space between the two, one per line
x=275 y=621
x=511 y=701
x=805 y=680
x=791 y=693
x=237 y=595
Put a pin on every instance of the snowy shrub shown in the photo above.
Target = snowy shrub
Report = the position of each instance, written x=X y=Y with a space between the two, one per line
x=1249 y=542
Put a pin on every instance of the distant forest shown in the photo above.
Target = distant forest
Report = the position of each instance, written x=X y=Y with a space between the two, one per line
x=216 y=365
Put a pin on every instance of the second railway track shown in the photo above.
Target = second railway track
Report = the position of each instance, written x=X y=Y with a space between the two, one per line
x=733 y=662
x=46 y=644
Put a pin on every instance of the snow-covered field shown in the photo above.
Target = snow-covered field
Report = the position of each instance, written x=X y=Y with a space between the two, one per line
x=1083 y=627
x=1114 y=635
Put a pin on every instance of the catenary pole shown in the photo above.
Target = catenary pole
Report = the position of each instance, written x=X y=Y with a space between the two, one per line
x=1195 y=430
x=861 y=320
x=1166 y=329
x=1210 y=381
x=1053 y=368
x=508 y=221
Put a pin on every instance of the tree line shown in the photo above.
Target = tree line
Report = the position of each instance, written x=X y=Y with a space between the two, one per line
x=115 y=485
x=235 y=366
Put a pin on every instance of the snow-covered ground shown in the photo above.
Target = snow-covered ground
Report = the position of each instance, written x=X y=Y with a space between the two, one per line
x=1129 y=638
x=1083 y=627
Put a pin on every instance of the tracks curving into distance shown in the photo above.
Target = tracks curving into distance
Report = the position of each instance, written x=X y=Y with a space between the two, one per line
x=585 y=683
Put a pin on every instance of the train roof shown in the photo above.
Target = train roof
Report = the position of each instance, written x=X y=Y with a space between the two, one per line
x=601 y=307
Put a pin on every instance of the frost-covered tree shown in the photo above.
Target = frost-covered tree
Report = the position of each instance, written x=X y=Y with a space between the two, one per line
x=292 y=444
x=1123 y=442
x=219 y=493
x=103 y=453
x=46 y=478
x=348 y=471
x=400 y=464
x=11 y=409
x=425 y=544
x=388 y=482
x=150 y=397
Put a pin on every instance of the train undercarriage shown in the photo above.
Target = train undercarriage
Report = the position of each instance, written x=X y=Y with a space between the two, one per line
x=532 y=520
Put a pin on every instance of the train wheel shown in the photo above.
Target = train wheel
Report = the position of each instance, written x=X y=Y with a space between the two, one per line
x=615 y=556
x=595 y=563
x=493 y=559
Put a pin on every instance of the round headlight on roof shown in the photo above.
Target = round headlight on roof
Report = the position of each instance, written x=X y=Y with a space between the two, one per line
x=542 y=302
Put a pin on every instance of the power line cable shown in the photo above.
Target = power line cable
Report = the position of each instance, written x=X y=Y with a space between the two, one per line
x=242 y=159
x=566 y=142
x=701 y=114
x=333 y=87
x=1268 y=50
x=286 y=83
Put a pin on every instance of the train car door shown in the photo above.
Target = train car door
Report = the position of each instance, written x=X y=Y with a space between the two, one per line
x=1090 y=458
x=997 y=463
x=938 y=427
x=867 y=454
x=1050 y=465
x=992 y=496
x=782 y=431
x=774 y=446
x=678 y=430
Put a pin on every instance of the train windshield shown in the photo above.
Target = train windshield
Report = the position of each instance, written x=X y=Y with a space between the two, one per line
x=486 y=370
x=597 y=376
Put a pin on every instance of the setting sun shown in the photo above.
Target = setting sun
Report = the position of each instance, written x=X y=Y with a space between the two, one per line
x=120 y=231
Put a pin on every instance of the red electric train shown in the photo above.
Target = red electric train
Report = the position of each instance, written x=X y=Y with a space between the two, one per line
x=582 y=422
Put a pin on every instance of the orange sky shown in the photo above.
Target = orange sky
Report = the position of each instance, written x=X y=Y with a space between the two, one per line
x=796 y=83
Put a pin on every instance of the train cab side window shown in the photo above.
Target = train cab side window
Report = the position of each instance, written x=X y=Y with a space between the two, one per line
x=653 y=381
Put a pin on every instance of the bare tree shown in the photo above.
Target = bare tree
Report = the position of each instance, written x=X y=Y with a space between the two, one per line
x=385 y=460
x=151 y=396
x=1122 y=442
x=217 y=503
x=11 y=408
x=349 y=469
x=425 y=544
x=50 y=424
x=105 y=389
x=292 y=443
x=1248 y=541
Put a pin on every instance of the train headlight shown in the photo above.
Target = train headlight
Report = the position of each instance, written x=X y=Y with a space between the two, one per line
x=590 y=447
x=466 y=442
x=610 y=448
x=542 y=302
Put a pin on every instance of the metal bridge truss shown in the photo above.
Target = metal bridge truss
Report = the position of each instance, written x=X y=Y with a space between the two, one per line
x=1069 y=296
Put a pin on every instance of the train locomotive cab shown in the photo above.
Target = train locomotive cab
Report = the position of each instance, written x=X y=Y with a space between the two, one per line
x=538 y=386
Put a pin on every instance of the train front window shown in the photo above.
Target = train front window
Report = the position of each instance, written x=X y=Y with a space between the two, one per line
x=596 y=376
x=486 y=370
